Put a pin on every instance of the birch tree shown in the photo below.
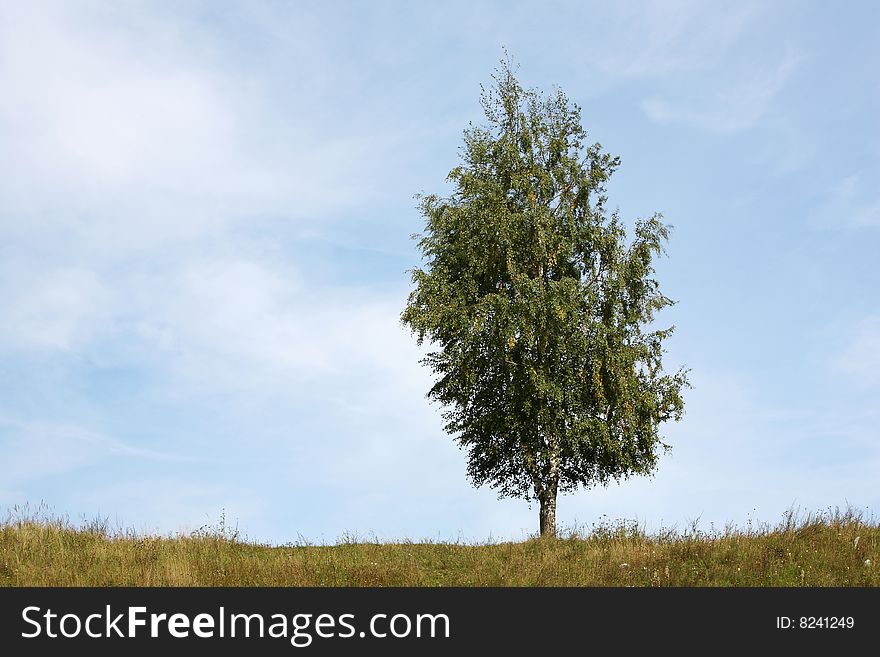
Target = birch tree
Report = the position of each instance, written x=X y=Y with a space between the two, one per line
x=539 y=307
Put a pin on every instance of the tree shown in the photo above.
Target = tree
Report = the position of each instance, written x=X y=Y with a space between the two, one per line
x=538 y=307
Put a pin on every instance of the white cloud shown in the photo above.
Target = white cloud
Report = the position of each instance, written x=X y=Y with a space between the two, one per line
x=133 y=164
x=87 y=106
x=130 y=148
x=127 y=132
x=234 y=322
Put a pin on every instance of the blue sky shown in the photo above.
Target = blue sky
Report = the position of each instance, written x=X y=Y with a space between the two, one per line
x=205 y=211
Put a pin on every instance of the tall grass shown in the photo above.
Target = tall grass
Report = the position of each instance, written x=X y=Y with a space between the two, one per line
x=834 y=548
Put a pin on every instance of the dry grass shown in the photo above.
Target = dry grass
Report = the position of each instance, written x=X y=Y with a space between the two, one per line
x=829 y=549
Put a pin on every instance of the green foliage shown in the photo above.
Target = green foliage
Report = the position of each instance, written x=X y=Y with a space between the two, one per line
x=538 y=305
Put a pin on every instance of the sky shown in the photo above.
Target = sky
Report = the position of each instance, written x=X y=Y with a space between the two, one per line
x=205 y=221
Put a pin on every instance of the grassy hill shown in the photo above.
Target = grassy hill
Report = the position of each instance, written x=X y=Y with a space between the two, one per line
x=831 y=549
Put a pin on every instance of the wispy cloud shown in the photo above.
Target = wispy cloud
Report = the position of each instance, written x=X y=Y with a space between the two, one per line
x=861 y=358
x=851 y=202
x=37 y=449
x=736 y=106
x=659 y=38
x=59 y=309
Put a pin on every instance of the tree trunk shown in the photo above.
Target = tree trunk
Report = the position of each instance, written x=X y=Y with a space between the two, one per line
x=548 y=512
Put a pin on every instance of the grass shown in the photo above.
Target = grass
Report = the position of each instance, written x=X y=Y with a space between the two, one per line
x=835 y=548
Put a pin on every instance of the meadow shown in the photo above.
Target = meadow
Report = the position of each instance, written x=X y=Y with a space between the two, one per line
x=833 y=548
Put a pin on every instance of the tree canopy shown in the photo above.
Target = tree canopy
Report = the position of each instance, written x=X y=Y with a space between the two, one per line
x=538 y=308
